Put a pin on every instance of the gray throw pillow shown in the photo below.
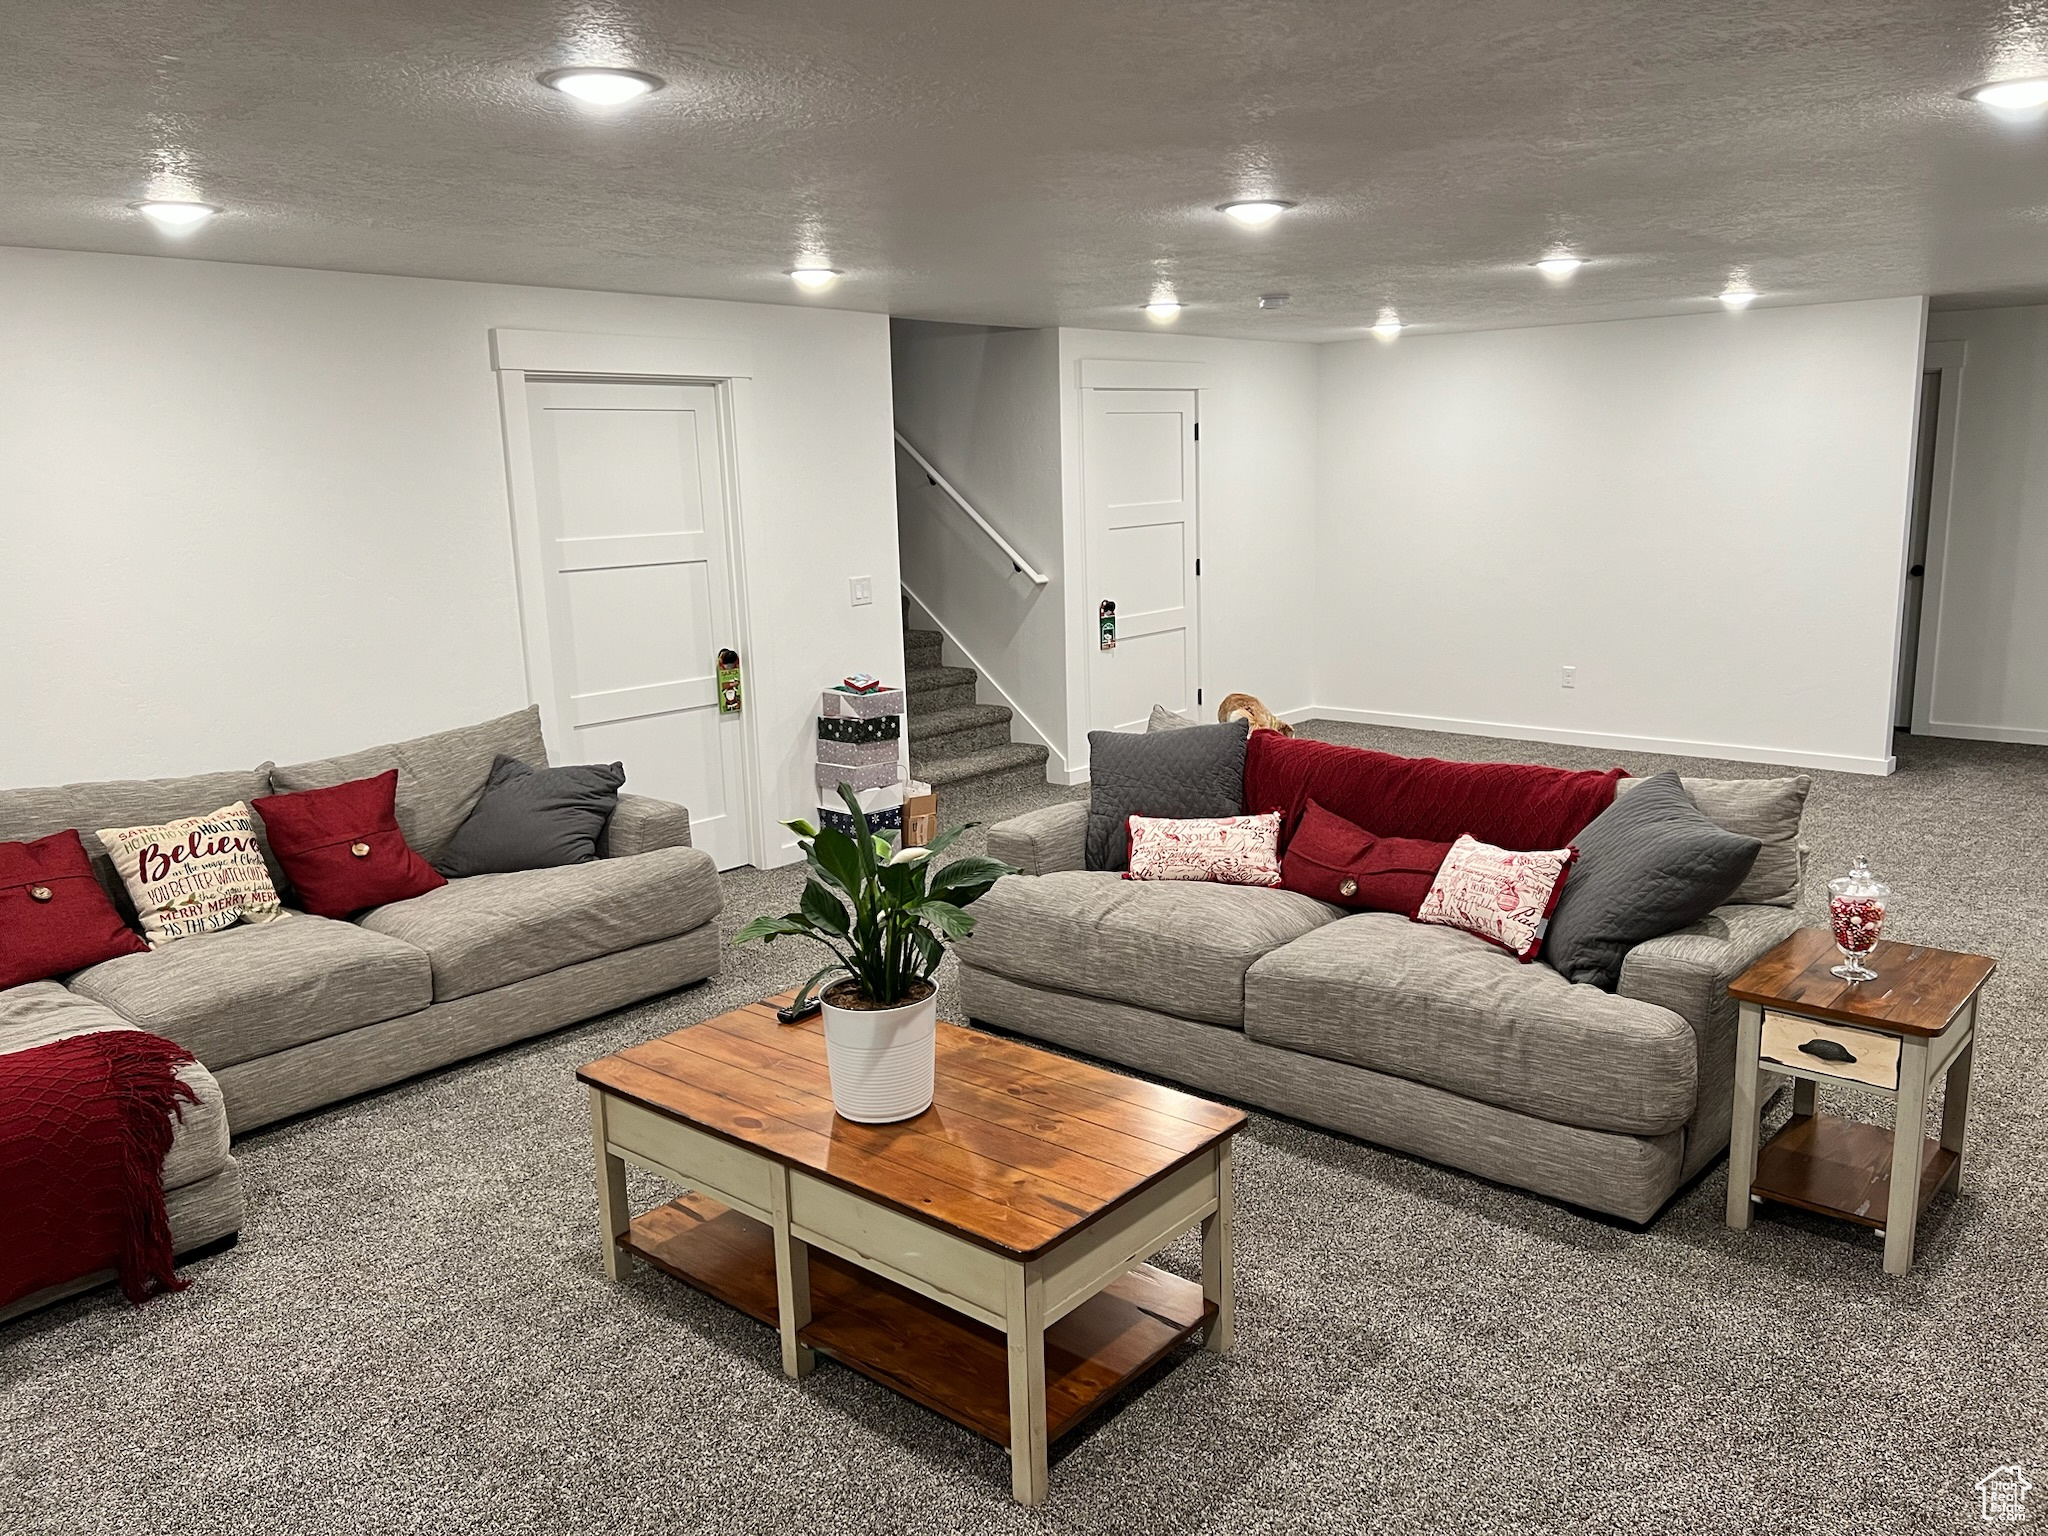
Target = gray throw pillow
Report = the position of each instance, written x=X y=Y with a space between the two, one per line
x=1765 y=809
x=1182 y=774
x=1649 y=864
x=1164 y=719
x=534 y=819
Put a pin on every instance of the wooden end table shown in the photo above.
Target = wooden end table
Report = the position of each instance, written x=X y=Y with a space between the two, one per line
x=1895 y=1037
x=986 y=1259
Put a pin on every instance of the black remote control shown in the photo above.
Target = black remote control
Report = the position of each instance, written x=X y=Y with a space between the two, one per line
x=795 y=1014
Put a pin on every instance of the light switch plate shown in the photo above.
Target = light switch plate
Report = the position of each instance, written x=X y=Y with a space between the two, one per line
x=863 y=588
x=1571 y=678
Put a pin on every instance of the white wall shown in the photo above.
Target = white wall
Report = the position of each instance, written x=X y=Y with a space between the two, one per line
x=982 y=404
x=1985 y=670
x=1257 y=463
x=256 y=512
x=1705 y=515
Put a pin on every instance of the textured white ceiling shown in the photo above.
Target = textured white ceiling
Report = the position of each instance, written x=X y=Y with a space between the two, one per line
x=1049 y=161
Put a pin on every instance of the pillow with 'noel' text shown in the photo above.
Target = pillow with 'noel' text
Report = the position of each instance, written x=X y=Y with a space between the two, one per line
x=194 y=875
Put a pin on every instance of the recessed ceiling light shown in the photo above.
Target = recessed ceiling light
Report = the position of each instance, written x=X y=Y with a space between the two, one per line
x=2028 y=95
x=1388 y=326
x=1738 y=295
x=1163 y=308
x=1562 y=264
x=168 y=213
x=602 y=87
x=1255 y=213
x=1274 y=300
x=815 y=278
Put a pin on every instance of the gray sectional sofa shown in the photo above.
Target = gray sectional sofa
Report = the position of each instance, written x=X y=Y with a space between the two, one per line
x=287 y=1016
x=1421 y=1038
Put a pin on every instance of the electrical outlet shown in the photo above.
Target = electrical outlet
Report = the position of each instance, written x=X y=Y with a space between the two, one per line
x=863 y=588
x=1571 y=677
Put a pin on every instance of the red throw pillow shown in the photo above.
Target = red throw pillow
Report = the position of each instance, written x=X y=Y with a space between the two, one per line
x=1338 y=861
x=342 y=847
x=54 y=916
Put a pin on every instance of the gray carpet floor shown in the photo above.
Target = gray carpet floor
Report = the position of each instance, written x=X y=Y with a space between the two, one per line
x=415 y=1335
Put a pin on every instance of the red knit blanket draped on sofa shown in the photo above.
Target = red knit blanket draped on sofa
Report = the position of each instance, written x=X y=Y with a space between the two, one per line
x=84 y=1126
x=1511 y=805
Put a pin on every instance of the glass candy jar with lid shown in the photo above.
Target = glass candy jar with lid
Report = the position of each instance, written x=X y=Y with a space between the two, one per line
x=1857 y=904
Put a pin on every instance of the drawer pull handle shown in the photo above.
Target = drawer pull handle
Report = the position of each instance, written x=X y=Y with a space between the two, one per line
x=1828 y=1050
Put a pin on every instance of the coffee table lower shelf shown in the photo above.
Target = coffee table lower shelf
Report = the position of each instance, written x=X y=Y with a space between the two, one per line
x=1841 y=1168
x=931 y=1354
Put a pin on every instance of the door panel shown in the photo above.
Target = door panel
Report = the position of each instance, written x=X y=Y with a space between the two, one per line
x=1141 y=494
x=630 y=484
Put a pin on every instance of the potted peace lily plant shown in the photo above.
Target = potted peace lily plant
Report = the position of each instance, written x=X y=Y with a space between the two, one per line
x=887 y=914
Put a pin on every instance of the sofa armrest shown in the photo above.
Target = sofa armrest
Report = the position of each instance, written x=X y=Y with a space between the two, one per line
x=1045 y=841
x=1688 y=972
x=642 y=824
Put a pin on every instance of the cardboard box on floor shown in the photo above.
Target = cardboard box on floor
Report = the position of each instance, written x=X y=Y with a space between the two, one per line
x=920 y=814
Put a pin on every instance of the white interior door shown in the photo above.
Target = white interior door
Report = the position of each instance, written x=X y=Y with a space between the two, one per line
x=630 y=485
x=1139 y=487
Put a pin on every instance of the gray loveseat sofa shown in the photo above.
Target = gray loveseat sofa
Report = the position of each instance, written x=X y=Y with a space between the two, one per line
x=1420 y=1038
x=287 y=1016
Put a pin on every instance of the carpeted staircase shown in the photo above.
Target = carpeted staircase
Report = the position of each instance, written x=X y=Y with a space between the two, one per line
x=954 y=740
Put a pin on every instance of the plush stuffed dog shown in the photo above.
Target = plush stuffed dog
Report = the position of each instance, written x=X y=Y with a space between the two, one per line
x=1242 y=706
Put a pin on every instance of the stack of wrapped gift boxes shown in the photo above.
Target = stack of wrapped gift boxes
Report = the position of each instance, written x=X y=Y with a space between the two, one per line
x=860 y=742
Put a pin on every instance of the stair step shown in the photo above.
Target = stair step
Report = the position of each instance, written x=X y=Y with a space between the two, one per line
x=934 y=728
x=988 y=762
x=924 y=680
x=921 y=647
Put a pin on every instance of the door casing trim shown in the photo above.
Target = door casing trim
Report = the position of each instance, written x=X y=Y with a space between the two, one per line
x=566 y=356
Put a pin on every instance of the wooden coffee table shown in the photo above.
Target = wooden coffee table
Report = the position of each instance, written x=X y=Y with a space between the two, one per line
x=1895 y=1037
x=986 y=1259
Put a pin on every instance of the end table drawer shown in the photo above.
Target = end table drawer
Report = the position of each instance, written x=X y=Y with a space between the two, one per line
x=1831 y=1050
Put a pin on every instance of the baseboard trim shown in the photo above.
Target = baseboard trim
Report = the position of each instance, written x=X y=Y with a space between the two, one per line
x=1056 y=769
x=2019 y=735
x=1790 y=757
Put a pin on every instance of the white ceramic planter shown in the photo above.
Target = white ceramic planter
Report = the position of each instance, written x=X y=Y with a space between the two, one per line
x=881 y=1060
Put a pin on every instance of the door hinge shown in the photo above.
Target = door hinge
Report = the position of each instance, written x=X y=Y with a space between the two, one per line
x=1198 y=565
x=1198 y=431
x=1198 y=695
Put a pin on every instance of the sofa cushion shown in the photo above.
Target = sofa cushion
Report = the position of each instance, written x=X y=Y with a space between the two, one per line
x=33 y=813
x=1197 y=772
x=44 y=1012
x=440 y=777
x=1179 y=948
x=1768 y=810
x=491 y=930
x=247 y=992
x=1446 y=1008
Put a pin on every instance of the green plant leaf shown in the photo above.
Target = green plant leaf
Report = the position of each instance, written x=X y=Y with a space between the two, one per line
x=946 y=917
x=931 y=950
x=824 y=910
x=969 y=879
x=803 y=992
x=801 y=827
x=861 y=834
x=946 y=839
x=836 y=856
x=774 y=928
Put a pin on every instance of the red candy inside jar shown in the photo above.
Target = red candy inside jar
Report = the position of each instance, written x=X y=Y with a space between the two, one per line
x=1858 y=923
